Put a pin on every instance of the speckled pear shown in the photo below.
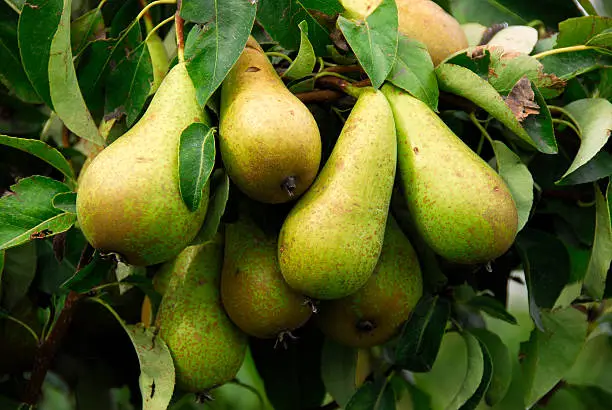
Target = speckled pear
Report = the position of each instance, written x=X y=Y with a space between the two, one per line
x=128 y=199
x=206 y=347
x=460 y=206
x=373 y=314
x=269 y=140
x=254 y=293
x=331 y=240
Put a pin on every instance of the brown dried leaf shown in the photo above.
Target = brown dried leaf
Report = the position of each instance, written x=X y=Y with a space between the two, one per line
x=521 y=99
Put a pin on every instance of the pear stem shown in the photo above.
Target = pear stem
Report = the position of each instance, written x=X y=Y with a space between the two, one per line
x=180 y=36
x=147 y=17
x=480 y=127
x=154 y=29
x=562 y=50
x=567 y=123
x=281 y=55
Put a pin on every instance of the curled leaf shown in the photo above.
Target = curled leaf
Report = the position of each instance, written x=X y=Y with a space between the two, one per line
x=521 y=99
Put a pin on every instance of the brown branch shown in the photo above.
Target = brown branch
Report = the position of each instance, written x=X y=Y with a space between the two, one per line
x=319 y=96
x=344 y=69
x=65 y=136
x=48 y=348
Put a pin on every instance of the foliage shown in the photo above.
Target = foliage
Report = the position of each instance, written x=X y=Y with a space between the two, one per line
x=530 y=329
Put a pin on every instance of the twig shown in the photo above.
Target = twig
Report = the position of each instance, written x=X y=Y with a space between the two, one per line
x=345 y=69
x=340 y=84
x=48 y=348
x=319 y=96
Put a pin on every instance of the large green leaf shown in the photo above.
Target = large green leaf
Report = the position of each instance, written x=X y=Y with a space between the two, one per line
x=592 y=367
x=577 y=31
x=601 y=253
x=41 y=150
x=571 y=64
x=212 y=50
x=17 y=274
x=413 y=71
x=550 y=354
x=594 y=118
x=219 y=188
x=374 y=41
x=86 y=29
x=372 y=396
x=196 y=155
x=338 y=367
x=502 y=365
x=28 y=212
x=305 y=61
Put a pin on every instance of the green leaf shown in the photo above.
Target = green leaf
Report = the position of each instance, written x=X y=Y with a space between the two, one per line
x=422 y=334
x=157 y=375
x=86 y=29
x=456 y=373
x=546 y=263
x=549 y=355
x=493 y=307
x=487 y=374
x=374 y=41
x=594 y=119
x=129 y=83
x=212 y=50
x=16 y=5
x=413 y=71
x=306 y=59
x=12 y=74
x=18 y=274
x=90 y=275
x=603 y=39
x=372 y=396
x=65 y=201
x=64 y=89
x=338 y=367
x=518 y=178
x=571 y=64
x=592 y=367
x=601 y=254
x=53 y=273
x=580 y=30
x=196 y=158
x=28 y=212
x=463 y=82
x=485 y=12
x=502 y=365
x=280 y=18
x=219 y=183
x=40 y=150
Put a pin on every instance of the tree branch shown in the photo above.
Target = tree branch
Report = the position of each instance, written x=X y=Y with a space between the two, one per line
x=319 y=96
x=48 y=348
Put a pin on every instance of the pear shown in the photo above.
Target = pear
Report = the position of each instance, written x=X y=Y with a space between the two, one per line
x=460 y=206
x=331 y=240
x=373 y=314
x=128 y=199
x=159 y=60
x=206 y=347
x=253 y=291
x=425 y=21
x=269 y=140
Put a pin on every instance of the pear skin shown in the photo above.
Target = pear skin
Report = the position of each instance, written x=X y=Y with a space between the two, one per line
x=206 y=347
x=253 y=290
x=128 y=199
x=460 y=206
x=269 y=140
x=427 y=22
x=331 y=240
x=373 y=314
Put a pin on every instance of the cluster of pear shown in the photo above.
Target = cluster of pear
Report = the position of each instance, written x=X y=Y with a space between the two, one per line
x=338 y=248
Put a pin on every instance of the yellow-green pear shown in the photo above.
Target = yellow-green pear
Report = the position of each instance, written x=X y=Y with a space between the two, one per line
x=331 y=240
x=373 y=314
x=206 y=347
x=128 y=199
x=269 y=140
x=460 y=206
x=254 y=293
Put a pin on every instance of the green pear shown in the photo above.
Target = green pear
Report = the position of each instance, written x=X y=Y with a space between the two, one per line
x=373 y=314
x=460 y=206
x=269 y=140
x=254 y=293
x=330 y=242
x=128 y=199
x=425 y=21
x=206 y=347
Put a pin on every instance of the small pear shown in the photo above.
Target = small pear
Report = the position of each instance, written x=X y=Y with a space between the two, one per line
x=427 y=22
x=373 y=314
x=206 y=347
x=269 y=140
x=460 y=206
x=331 y=240
x=128 y=199
x=253 y=291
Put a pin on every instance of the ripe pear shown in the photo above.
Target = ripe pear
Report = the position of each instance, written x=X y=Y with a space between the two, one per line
x=425 y=21
x=461 y=207
x=373 y=314
x=331 y=240
x=207 y=348
x=269 y=140
x=128 y=199
x=254 y=293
